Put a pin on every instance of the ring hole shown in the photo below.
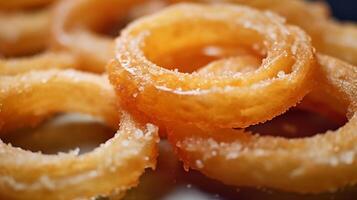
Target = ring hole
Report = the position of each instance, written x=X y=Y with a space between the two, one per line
x=194 y=58
x=180 y=45
x=64 y=133
x=111 y=29
x=297 y=123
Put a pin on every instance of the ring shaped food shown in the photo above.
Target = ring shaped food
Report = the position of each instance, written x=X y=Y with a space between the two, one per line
x=23 y=33
x=28 y=98
x=43 y=61
x=303 y=165
x=211 y=100
x=75 y=26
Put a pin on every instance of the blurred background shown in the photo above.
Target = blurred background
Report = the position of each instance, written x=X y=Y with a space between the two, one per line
x=344 y=9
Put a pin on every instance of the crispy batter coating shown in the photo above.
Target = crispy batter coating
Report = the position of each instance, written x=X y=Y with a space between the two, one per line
x=112 y=167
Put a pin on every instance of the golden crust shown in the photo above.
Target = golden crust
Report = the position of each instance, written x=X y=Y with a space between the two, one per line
x=28 y=98
x=43 y=61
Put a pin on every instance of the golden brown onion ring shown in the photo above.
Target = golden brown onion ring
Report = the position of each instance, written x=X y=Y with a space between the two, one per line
x=75 y=26
x=302 y=165
x=222 y=101
x=23 y=33
x=27 y=99
x=44 y=61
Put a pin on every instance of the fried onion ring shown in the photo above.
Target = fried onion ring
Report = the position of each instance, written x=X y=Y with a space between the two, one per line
x=304 y=165
x=28 y=98
x=204 y=100
x=75 y=26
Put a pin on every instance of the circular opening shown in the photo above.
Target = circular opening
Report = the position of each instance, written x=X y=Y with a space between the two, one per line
x=64 y=133
x=297 y=123
x=300 y=122
x=112 y=28
x=182 y=46
x=194 y=58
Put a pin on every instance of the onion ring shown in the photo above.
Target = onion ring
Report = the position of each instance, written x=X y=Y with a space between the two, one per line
x=23 y=33
x=74 y=21
x=206 y=100
x=298 y=165
x=48 y=60
x=28 y=98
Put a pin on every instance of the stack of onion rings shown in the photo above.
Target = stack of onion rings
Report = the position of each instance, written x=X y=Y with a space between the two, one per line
x=300 y=165
x=254 y=67
x=195 y=126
